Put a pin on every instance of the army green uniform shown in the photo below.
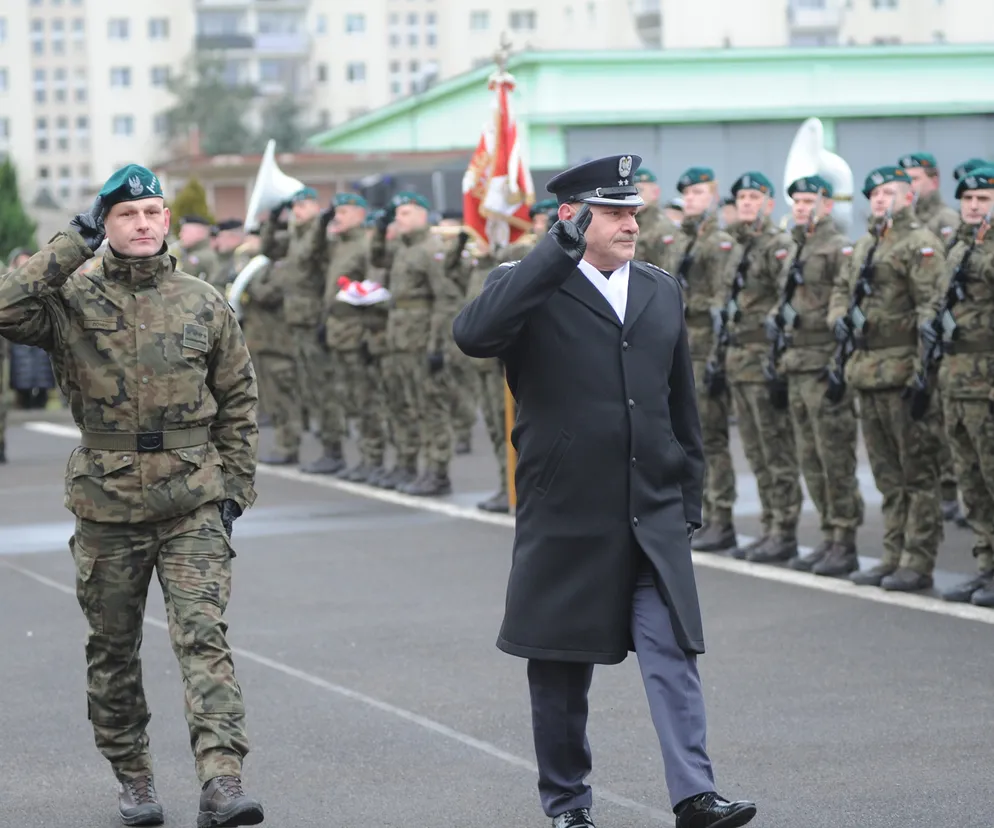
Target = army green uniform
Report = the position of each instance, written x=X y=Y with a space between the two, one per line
x=825 y=432
x=358 y=381
x=274 y=353
x=464 y=397
x=767 y=433
x=657 y=242
x=425 y=299
x=713 y=258
x=903 y=452
x=965 y=377
x=224 y=272
x=145 y=354
x=200 y=260
x=4 y=350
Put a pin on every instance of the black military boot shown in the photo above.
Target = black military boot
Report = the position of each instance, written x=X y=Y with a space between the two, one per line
x=398 y=476
x=779 y=549
x=872 y=576
x=715 y=537
x=137 y=802
x=331 y=462
x=806 y=562
x=741 y=553
x=951 y=510
x=280 y=459
x=983 y=597
x=841 y=560
x=356 y=474
x=431 y=484
x=3 y=454
x=904 y=579
x=712 y=811
x=576 y=818
x=496 y=503
x=962 y=593
x=223 y=804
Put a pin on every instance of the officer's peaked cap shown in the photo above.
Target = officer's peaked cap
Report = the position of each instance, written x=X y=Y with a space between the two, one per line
x=608 y=181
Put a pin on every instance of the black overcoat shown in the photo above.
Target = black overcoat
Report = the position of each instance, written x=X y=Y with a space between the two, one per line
x=610 y=460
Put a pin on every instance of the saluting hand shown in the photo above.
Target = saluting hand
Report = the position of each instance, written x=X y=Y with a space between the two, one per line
x=90 y=225
x=568 y=233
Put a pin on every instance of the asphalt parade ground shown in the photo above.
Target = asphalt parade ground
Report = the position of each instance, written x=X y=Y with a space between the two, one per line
x=365 y=622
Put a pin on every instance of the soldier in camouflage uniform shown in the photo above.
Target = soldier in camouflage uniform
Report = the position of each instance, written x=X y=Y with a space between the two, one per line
x=196 y=254
x=657 y=233
x=705 y=256
x=4 y=350
x=766 y=431
x=161 y=386
x=966 y=372
x=906 y=265
x=425 y=299
x=359 y=386
x=227 y=240
x=942 y=220
x=825 y=432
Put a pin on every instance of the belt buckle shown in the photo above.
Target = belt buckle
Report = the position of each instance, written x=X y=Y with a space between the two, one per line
x=150 y=441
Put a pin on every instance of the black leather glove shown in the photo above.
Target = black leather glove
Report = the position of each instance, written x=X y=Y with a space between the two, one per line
x=842 y=329
x=771 y=328
x=230 y=512
x=277 y=211
x=90 y=225
x=568 y=233
x=928 y=334
x=327 y=214
x=322 y=334
x=436 y=362
x=691 y=528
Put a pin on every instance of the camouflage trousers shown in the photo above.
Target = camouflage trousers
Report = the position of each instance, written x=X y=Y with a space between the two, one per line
x=114 y=565
x=421 y=405
x=768 y=442
x=719 y=474
x=3 y=408
x=948 y=485
x=463 y=396
x=490 y=391
x=278 y=384
x=826 y=435
x=315 y=374
x=904 y=458
x=359 y=386
x=970 y=431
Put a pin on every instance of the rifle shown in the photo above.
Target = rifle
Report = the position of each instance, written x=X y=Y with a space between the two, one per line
x=787 y=317
x=714 y=371
x=855 y=318
x=944 y=324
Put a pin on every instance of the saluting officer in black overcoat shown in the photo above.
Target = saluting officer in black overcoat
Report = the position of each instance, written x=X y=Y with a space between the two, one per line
x=609 y=478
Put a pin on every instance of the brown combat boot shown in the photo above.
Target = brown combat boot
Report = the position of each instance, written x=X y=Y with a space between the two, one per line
x=805 y=563
x=715 y=537
x=137 y=802
x=223 y=804
x=841 y=560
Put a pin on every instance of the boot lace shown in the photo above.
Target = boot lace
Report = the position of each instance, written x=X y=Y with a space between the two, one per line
x=230 y=786
x=578 y=818
x=141 y=790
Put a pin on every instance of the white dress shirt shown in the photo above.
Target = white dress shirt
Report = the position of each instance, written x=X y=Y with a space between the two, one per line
x=615 y=289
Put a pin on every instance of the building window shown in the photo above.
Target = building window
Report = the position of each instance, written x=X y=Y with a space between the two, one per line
x=4 y=79
x=3 y=29
x=39 y=85
x=82 y=127
x=322 y=73
x=394 y=67
x=396 y=88
x=413 y=67
x=160 y=75
x=120 y=76
x=355 y=72
x=4 y=127
x=41 y=134
x=431 y=34
x=395 y=40
x=123 y=125
x=84 y=177
x=43 y=172
x=117 y=28
x=78 y=29
x=479 y=20
x=158 y=28
x=522 y=21
x=321 y=24
x=324 y=119
x=412 y=38
x=160 y=124
x=355 y=23
x=59 y=85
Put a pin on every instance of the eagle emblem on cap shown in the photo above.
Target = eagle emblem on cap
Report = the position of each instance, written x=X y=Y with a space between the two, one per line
x=877 y=178
x=971 y=183
x=135 y=183
x=908 y=161
x=746 y=182
x=625 y=166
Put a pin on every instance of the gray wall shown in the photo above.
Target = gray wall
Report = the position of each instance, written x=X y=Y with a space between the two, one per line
x=733 y=148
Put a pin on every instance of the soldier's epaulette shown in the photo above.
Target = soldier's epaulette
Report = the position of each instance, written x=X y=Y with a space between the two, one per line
x=658 y=269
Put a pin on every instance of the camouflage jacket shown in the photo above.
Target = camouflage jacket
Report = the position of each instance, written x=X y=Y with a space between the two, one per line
x=262 y=301
x=657 y=237
x=200 y=261
x=941 y=219
x=224 y=272
x=713 y=256
x=516 y=251
x=822 y=256
x=139 y=347
x=306 y=266
x=345 y=324
x=967 y=370
x=907 y=265
x=481 y=266
x=425 y=295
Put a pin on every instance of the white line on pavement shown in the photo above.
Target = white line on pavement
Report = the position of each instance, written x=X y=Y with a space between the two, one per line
x=384 y=707
x=923 y=603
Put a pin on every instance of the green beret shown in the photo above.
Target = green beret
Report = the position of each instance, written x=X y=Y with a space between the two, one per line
x=193 y=219
x=229 y=224
x=883 y=175
x=410 y=198
x=753 y=181
x=695 y=175
x=968 y=166
x=811 y=184
x=544 y=206
x=303 y=195
x=925 y=160
x=644 y=176
x=130 y=183
x=352 y=199
x=981 y=178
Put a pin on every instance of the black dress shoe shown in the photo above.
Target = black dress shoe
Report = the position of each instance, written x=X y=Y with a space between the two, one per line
x=576 y=818
x=711 y=811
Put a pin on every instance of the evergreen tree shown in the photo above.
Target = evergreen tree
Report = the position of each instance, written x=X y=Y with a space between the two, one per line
x=16 y=227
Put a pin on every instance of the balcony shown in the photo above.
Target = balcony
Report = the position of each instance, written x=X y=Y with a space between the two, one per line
x=283 y=44
x=811 y=18
x=208 y=42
